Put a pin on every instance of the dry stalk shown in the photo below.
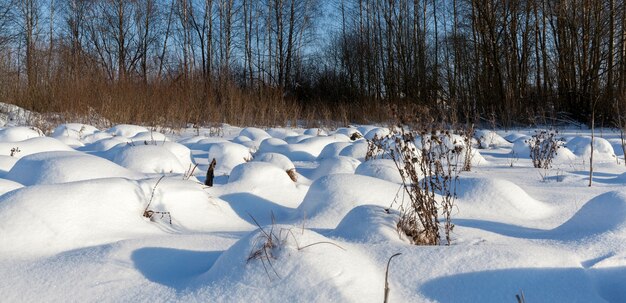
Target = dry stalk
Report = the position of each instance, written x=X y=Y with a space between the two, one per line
x=387 y=277
x=148 y=213
x=267 y=242
x=426 y=171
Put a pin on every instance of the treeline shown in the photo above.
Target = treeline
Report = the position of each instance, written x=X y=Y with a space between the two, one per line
x=271 y=62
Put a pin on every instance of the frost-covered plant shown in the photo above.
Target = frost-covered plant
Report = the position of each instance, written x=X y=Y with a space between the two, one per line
x=544 y=145
x=427 y=162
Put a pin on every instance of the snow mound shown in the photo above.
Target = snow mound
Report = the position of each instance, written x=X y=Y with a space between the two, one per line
x=228 y=155
x=332 y=150
x=364 y=129
x=201 y=143
x=357 y=150
x=314 y=146
x=260 y=190
x=149 y=137
x=281 y=133
x=602 y=214
x=255 y=134
x=378 y=132
x=182 y=153
x=272 y=145
x=617 y=146
x=33 y=146
x=521 y=148
x=127 y=130
x=380 y=168
x=192 y=208
x=315 y=132
x=497 y=199
x=74 y=130
x=330 y=198
x=63 y=167
x=46 y=219
x=369 y=224
x=259 y=174
x=307 y=149
x=18 y=133
x=296 y=139
x=312 y=267
x=97 y=136
x=8 y=185
x=6 y=163
x=278 y=160
x=476 y=158
x=513 y=137
x=241 y=140
x=349 y=132
x=490 y=139
x=336 y=165
x=149 y=159
x=104 y=144
x=71 y=142
x=581 y=146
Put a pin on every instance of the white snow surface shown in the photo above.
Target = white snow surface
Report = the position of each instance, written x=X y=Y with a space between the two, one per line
x=72 y=224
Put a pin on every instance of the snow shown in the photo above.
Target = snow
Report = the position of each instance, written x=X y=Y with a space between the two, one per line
x=18 y=133
x=490 y=139
x=228 y=155
x=33 y=146
x=384 y=169
x=336 y=165
x=279 y=160
x=255 y=134
x=72 y=221
x=369 y=224
x=581 y=146
x=127 y=130
x=331 y=197
x=8 y=185
x=149 y=159
x=63 y=167
x=332 y=150
x=74 y=130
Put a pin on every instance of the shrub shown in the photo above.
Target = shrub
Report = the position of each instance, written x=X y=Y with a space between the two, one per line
x=543 y=147
x=427 y=162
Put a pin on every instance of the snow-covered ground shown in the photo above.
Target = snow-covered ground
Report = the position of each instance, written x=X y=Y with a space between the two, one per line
x=71 y=224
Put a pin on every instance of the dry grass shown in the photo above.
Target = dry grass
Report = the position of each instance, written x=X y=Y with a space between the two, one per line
x=175 y=103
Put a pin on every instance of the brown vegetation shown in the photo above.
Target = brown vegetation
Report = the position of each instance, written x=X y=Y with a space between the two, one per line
x=271 y=62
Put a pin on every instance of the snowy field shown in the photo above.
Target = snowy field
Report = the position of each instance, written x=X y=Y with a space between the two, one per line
x=72 y=229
